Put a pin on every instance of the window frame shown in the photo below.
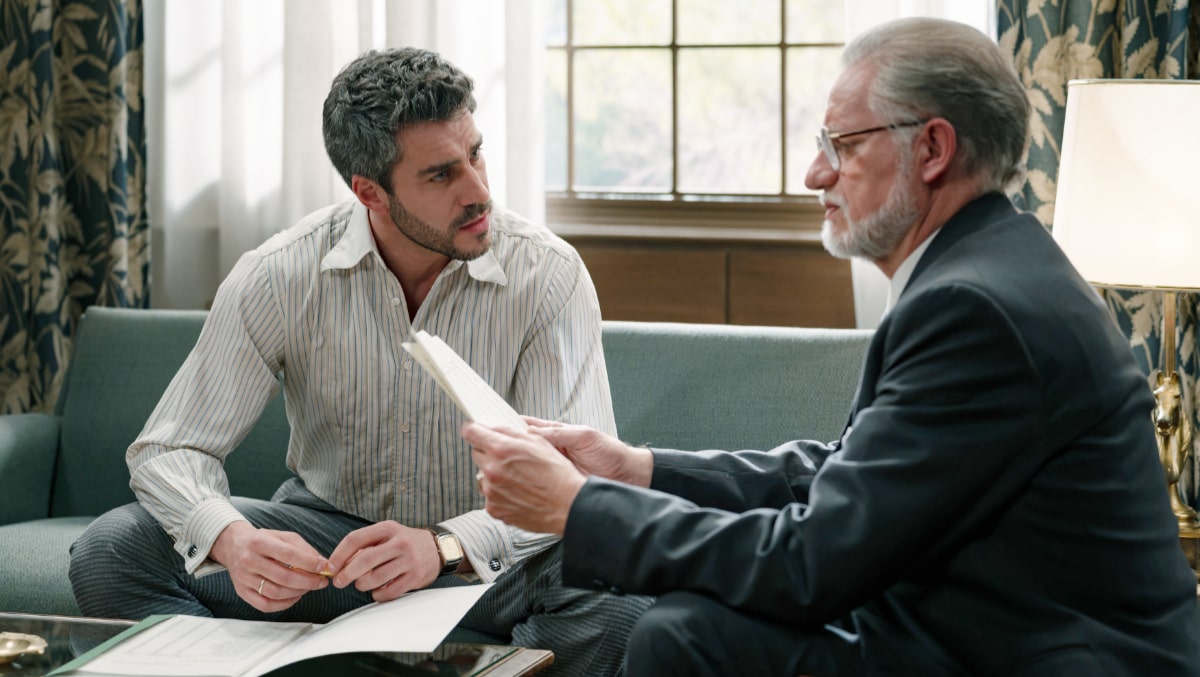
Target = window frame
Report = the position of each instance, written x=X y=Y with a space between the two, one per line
x=758 y=217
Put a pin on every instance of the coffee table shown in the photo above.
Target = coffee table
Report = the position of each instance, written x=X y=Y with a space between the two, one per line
x=68 y=637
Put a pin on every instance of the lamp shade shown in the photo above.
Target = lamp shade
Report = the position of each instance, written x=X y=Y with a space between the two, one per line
x=1127 y=211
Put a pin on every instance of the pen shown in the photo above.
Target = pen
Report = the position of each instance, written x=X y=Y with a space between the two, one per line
x=324 y=572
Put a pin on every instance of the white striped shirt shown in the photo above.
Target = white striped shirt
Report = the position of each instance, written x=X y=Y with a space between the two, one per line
x=316 y=309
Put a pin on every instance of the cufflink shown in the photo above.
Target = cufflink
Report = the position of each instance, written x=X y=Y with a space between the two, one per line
x=494 y=564
x=192 y=550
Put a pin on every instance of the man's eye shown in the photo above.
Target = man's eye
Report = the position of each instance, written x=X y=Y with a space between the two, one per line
x=439 y=177
x=844 y=148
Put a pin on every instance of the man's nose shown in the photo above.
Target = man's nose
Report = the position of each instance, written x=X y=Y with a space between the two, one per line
x=476 y=191
x=821 y=174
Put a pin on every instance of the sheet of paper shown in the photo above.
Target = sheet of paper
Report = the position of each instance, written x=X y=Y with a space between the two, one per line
x=417 y=622
x=190 y=646
x=469 y=391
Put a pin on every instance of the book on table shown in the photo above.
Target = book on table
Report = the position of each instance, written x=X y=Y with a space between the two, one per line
x=459 y=381
x=192 y=646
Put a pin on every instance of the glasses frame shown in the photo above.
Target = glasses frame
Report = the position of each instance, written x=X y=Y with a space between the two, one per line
x=825 y=139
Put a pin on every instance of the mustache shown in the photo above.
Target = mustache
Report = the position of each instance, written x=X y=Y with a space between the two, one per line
x=471 y=213
x=836 y=201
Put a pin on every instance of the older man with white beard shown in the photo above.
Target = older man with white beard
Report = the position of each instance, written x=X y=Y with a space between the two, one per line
x=995 y=505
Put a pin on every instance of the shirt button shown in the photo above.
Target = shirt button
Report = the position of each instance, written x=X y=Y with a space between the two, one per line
x=403 y=427
x=407 y=365
x=615 y=590
x=395 y=300
x=494 y=564
x=192 y=550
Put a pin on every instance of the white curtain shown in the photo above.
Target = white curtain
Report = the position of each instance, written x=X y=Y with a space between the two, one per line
x=870 y=285
x=234 y=90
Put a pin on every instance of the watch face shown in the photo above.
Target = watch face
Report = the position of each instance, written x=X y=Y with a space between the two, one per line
x=450 y=547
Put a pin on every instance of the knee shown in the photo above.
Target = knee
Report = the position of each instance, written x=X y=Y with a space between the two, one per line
x=114 y=539
x=669 y=638
x=122 y=554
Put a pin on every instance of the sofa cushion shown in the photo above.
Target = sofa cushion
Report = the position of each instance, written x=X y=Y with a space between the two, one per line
x=34 y=561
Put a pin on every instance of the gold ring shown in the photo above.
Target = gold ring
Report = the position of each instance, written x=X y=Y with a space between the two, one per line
x=260 y=584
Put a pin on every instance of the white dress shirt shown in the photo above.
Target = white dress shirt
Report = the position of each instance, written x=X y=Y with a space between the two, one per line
x=315 y=309
x=905 y=270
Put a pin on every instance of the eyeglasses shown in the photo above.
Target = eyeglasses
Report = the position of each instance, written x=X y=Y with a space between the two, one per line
x=825 y=139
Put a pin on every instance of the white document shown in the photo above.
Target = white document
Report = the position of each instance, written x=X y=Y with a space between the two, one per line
x=190 y=646
x=457 y=379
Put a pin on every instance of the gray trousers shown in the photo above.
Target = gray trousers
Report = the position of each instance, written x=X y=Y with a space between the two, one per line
x=124 y=566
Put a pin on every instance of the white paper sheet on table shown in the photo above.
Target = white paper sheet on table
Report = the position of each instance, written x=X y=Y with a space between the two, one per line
x=189 y=646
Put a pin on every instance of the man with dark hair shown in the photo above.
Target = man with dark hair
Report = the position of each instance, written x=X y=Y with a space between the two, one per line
x=384 y=499
x=995 y=505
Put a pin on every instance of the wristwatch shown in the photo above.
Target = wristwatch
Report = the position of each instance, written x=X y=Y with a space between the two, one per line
x=449 y=549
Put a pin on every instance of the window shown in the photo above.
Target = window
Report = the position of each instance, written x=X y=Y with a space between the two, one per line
x=661 y=110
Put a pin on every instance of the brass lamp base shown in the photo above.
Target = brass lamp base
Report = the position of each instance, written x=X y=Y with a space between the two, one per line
x=1189 y=533
x=1191 y=549
x=1173 y=426
x=1185 y=516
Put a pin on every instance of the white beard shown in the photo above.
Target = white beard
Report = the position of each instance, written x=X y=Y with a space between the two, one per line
x=876 y=235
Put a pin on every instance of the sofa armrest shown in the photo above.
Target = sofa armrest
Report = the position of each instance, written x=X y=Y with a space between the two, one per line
x=28 y=448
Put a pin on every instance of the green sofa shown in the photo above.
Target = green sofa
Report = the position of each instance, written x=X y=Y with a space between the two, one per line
x=673 y=385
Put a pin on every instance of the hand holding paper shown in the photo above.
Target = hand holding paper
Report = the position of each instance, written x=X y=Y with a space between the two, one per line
x=527 y=482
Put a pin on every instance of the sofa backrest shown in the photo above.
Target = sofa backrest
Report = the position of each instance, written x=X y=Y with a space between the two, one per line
x=704 y=386
x=122 y=361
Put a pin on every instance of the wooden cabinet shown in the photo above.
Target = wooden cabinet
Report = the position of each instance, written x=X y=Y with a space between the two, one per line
x=723 y=282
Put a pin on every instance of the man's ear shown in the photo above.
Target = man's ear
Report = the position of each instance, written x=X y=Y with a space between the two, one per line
x=369 y=193
x=937 y=147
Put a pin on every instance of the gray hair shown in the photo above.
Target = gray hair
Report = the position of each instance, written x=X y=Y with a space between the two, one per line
x=381 y=93
x=941 y=68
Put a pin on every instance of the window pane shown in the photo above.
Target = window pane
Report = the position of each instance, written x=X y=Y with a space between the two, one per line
x=816 y=20
x=721 y=22
x=622 y=110
x=556 y=22
x=556 y=119
x=811 y=72
x=621 y=22
x=729 y=121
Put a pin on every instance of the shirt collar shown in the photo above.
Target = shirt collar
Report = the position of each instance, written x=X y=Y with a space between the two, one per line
x=905 y=270
x=357 y=242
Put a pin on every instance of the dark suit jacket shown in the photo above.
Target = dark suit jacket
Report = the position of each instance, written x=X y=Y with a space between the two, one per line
x=995 y=505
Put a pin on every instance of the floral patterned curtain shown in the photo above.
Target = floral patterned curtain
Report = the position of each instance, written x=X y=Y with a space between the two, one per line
x=72 y=182
x=1053 y=41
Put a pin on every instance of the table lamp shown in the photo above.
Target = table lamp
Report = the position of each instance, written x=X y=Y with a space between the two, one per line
x=1128 y=216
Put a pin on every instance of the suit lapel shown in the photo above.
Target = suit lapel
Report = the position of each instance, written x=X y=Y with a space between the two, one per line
x=989 y=208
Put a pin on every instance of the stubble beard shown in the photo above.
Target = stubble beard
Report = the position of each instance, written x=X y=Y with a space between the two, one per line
x=442 y=241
